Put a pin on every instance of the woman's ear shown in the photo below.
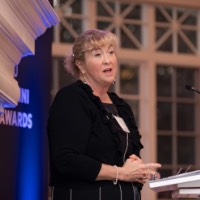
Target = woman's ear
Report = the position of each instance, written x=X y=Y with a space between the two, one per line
x=79 y=64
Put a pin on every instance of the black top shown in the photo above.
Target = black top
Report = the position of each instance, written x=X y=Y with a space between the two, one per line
x=126 y=139
x=83 y=135
x=111 y=108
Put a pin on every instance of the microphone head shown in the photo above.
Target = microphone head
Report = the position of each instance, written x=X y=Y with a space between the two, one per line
x=188 y=87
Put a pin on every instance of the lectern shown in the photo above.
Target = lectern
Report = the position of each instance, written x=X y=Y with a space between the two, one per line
x=185 y=185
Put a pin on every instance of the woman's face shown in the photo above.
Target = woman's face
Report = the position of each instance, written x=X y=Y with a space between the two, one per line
x=100 y=66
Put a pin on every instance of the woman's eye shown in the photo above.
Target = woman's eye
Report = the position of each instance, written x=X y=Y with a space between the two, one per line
x=112 y=52
x=97 y=54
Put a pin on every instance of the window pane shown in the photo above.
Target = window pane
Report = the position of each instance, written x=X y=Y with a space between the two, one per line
x=164 y=116
x=103 y=25
x=65 y=34
x=192 y=36
x=160 y=32
x=75 y=6
x=164 y=76
x=183 y=47
x=185 y=76
x=164 y=144
x=135 y=108
x=165 y=172
x=191 y=19
x=161 y=16
x=126 y=40
x=101 y=9
x=129 y=79
x=136 y=31
x=186 y=150
x=166 y=45
x=135 y=12
x=185 y=116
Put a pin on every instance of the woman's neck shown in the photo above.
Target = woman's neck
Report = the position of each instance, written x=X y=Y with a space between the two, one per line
x=104 y=97
x=101 y=92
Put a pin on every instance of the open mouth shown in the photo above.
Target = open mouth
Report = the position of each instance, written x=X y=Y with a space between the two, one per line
x=107 y=70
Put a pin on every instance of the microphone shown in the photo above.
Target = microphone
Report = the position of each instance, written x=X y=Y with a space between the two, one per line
x=189 y=87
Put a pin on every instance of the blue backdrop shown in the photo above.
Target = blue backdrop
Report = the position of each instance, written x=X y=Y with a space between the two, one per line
x=23 y=138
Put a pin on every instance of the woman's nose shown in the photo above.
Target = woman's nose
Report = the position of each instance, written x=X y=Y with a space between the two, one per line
x=106 y=59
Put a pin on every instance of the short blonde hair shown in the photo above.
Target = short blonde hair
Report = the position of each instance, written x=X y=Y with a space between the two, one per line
x=87 y=41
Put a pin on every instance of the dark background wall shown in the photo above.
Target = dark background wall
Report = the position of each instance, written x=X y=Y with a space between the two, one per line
x=23 y=140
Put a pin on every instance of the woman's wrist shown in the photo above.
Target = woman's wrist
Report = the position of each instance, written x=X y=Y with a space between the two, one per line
x=117 y=175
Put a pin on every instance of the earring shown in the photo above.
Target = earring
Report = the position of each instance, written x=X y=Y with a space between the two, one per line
x=84 y=80
x=114 y=81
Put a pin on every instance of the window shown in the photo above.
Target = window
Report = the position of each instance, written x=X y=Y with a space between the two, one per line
x=176 y=123
x=176 y=30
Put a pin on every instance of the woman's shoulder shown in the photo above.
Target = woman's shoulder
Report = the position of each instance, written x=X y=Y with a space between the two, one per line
x=72 y=92
x=72 y=89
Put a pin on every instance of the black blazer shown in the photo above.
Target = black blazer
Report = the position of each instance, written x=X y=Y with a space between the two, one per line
x=81 y=135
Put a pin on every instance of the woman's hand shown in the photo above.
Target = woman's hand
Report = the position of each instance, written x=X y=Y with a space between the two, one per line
x=134 y=170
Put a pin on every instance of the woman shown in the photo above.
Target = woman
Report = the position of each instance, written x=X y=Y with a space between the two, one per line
x=93 y=139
